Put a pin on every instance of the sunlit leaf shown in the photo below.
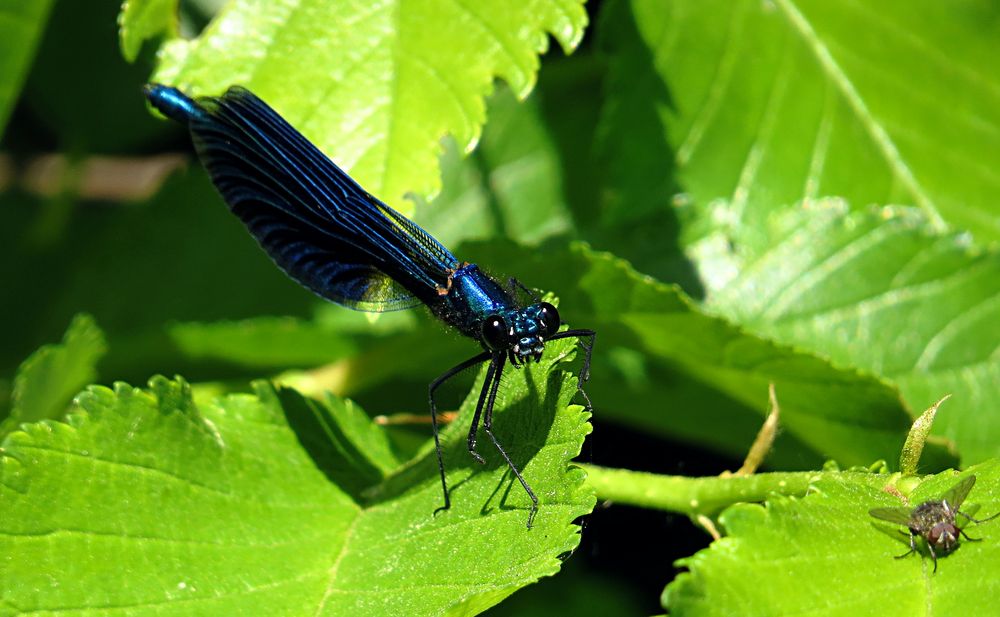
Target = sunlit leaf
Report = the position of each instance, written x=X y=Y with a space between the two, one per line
x=763 y=104
x=144 y=19
x=881 y=291
x=825 y=555
x=375 y=87
x=840 y=413
x=272 y=503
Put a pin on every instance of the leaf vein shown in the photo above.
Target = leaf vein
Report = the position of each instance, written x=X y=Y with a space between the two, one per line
x=854 y=99
x=720 y=84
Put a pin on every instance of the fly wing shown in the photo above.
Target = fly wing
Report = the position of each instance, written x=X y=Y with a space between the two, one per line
x=955 y=496
x=316 y=223
x=897 y=514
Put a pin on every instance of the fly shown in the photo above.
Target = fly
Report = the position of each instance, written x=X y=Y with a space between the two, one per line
x=934 y=520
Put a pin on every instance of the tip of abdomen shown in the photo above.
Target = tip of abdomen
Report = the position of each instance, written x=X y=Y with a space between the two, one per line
x=172 y=103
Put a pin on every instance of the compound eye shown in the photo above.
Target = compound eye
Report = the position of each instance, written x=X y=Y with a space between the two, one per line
x=494 y=331
x=550 y=319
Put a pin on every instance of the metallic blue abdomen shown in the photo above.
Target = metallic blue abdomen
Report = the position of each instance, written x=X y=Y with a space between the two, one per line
x=173 y=103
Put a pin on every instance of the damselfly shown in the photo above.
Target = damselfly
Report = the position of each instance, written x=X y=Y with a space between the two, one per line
x=333 y=237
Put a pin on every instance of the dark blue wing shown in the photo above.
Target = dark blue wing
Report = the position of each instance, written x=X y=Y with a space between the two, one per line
x=315 y=222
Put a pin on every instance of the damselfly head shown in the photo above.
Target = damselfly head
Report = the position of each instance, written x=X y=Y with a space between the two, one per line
x=495 y=333
x=521 y=332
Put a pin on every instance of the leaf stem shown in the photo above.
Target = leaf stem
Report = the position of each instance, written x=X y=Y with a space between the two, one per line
x=709 y=495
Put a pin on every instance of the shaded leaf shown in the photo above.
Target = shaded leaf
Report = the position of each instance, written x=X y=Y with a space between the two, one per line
x=666 y=366
x=186 y=261
x=84 y=100
x=47 y=381
x=281 y=342
x=342 y=440
x=21 y=25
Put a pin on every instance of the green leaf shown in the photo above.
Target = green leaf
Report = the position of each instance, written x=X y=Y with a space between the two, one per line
x=781 y=106
x=376 y=88
x=140 y=20
x=664 y=365
x=882 y=291
x=53 y=375
x=512 y=185
x=21 y=25
x=838 y=413
x=265 y=342
x=658 y=353
x=763 y=104
x=825 y=555
x=281 y=342
x=342 y=440
x=239 y=507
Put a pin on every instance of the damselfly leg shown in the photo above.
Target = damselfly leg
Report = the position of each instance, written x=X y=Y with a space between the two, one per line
x=487 y=401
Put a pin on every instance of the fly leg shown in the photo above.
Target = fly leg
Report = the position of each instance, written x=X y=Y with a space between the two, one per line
x=977 y=520
x=913 y=546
